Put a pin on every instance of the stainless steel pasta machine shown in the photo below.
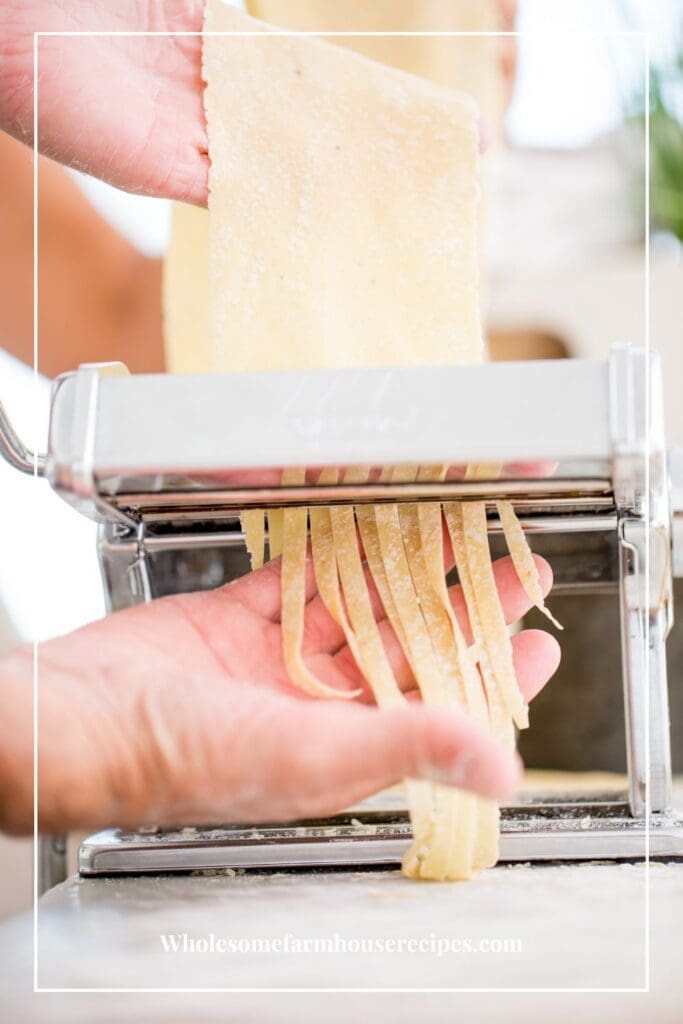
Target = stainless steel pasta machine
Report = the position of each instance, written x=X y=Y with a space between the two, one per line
x=166 y=463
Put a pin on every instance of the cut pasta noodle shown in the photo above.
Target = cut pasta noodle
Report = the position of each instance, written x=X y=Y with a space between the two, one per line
x=441 y=850
x=500 y=721
x=276 y=527
x=376 y=664
x=294 y=603
x=293 y=585
x=433 y=860
x=485 y=812
x=454 y=828
x=325 y=568
x=522 y=558
x=253 y=528
x=495 y=637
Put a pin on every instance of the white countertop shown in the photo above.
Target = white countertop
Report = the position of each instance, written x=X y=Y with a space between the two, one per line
x=581 y=926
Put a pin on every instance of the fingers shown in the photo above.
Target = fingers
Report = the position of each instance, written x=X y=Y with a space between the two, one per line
x=260 y=591
x=529 y=469
x=536 y=653
x=431 y=744
x=323 y=634
x=326 y=757
x=536 y=656
x=415 y=742
x=513 y=597
x=240 y=754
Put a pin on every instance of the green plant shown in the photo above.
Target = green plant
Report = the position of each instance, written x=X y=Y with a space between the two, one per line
x=666 y=144
x=666 y=151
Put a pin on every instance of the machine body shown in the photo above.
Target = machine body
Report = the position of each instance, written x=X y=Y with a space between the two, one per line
x=166 y=463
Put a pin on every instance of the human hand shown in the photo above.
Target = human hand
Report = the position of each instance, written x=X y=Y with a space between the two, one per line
x=181 y=711
x=127 y=109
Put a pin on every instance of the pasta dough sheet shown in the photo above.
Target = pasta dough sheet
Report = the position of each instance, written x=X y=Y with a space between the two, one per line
x=468 y=63
x=470 y=59
x=187 y=340
x=342 y=232
x=342 y=207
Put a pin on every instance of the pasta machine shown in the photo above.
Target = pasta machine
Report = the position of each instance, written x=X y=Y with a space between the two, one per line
x=166 y=463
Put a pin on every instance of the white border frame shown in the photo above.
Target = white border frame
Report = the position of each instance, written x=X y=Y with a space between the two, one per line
x=645 y=38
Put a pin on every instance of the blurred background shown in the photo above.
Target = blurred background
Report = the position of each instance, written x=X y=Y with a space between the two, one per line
x=565 y=250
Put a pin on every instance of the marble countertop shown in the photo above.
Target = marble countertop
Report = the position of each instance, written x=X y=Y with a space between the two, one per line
x=519 y=927
x=577 y=926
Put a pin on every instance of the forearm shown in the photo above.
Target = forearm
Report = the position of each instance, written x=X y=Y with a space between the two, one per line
x=16 y=742
x=85 y=772
x=99 y=299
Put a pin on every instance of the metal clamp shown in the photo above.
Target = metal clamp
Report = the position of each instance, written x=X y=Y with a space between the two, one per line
x=70 y=463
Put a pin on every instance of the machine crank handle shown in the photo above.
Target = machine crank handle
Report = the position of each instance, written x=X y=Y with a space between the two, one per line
x=14 y=451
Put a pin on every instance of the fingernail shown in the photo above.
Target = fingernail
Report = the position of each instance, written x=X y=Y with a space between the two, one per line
x=461 y=769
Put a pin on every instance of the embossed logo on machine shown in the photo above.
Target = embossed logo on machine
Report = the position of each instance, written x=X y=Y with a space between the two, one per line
x=347 y=409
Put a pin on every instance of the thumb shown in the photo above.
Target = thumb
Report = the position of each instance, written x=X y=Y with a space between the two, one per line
x=346 y=752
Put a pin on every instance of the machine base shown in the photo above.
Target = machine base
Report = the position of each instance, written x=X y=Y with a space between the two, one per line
x=598 y=827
